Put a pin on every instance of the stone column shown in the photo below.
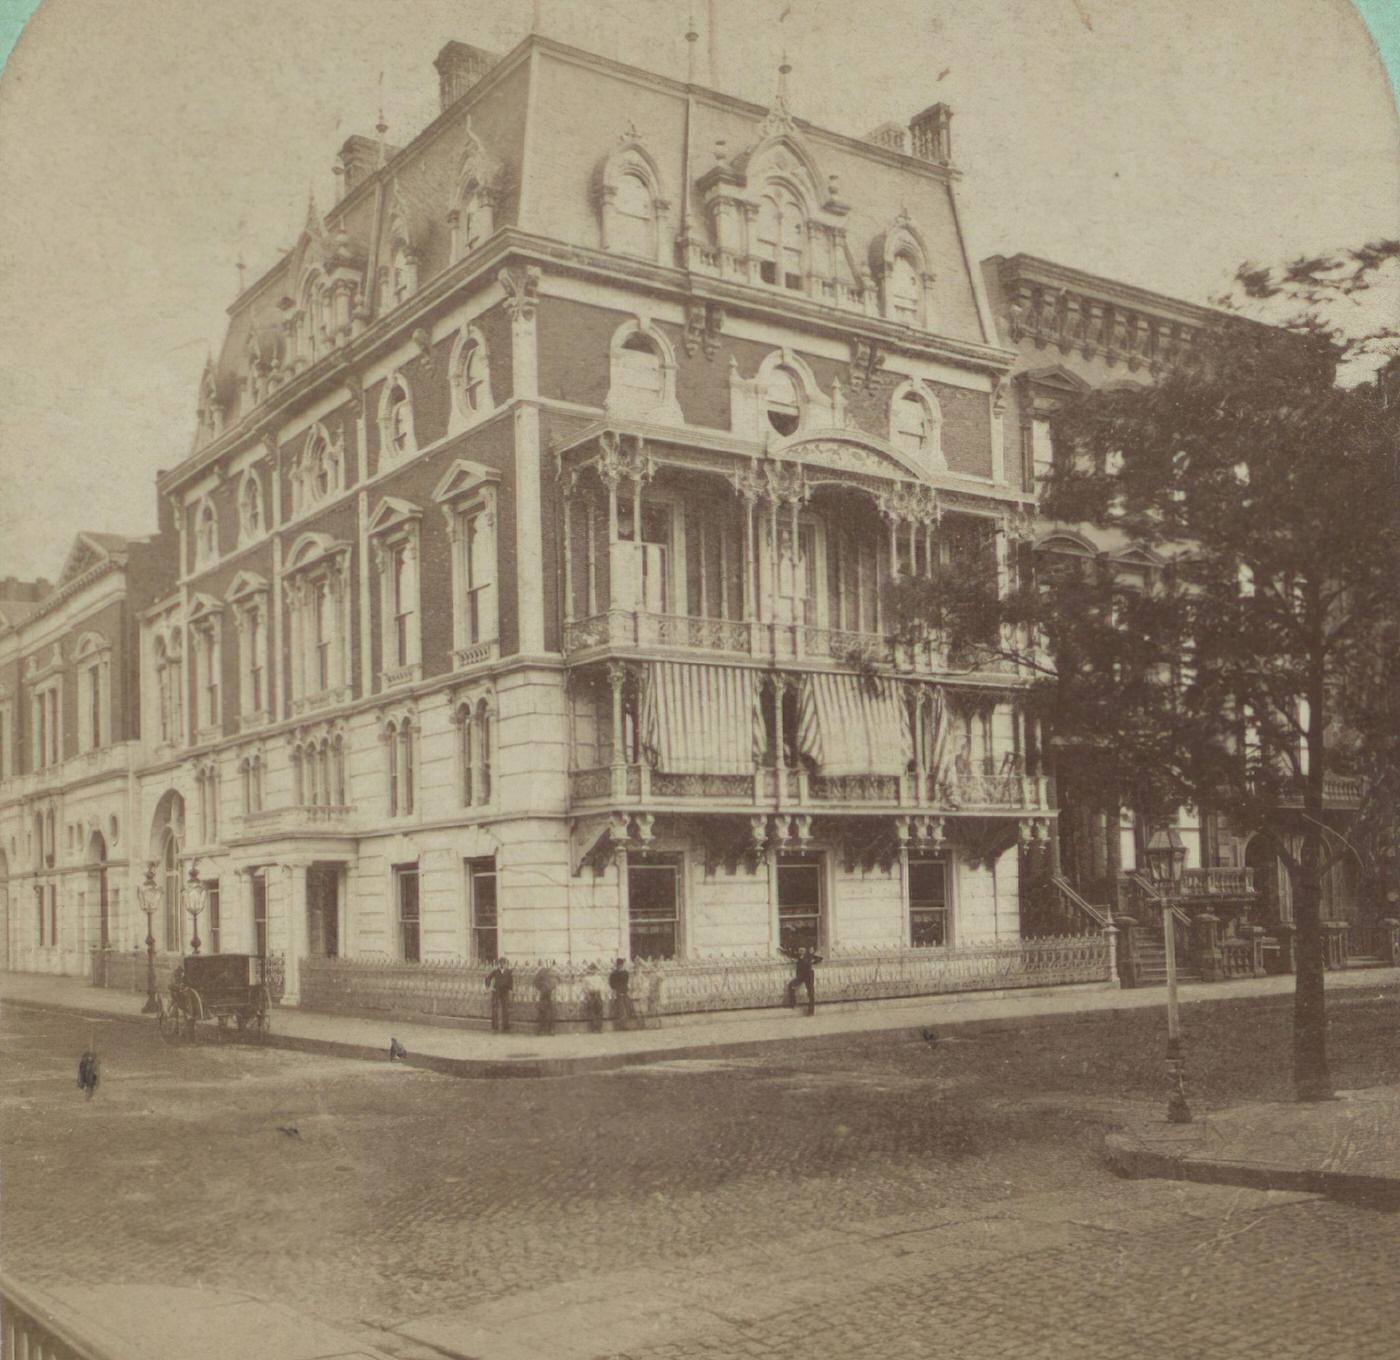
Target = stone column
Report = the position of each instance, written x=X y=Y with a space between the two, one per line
x=1205 y=930
x=521 y=289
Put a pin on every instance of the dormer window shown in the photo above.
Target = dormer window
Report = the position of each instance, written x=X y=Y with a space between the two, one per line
x=905 y=290
x=403 y=277
x=633 y=226
x=783 y=405
x=782 y=234
x=474 y=221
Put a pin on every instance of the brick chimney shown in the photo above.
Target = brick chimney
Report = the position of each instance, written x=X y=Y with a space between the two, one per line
x=931 y=135
x=357 y=161
x=459 y=67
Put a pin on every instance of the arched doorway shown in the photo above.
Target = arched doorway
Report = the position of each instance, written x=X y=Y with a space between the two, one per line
x=167 y=837
x=97 y=857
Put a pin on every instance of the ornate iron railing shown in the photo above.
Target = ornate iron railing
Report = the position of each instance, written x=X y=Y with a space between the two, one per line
x=455 y=989
x=990 y=790
x=588 y=784
x=855 y=788
x=729 y=786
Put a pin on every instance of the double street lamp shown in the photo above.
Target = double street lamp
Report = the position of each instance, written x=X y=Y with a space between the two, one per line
x=193 y=897
x=1166 y=858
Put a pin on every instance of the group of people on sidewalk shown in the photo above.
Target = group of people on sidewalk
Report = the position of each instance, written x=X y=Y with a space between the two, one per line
x=500 y=982
x=616 y=1000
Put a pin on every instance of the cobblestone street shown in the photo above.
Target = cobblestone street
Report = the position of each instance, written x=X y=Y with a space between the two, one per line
x=864 y=1195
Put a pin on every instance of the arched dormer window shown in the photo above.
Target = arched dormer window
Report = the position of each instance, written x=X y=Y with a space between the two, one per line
x=206 y=534
x=479 y=182
x=396 y=438
x=470 y=372
x=643 y=376
x=403 y=274
x=250 y=508
x=916 y=424
x=475 y=218
x=310 y=320
x=631 y=204
x=781 y=239
x=900 y=262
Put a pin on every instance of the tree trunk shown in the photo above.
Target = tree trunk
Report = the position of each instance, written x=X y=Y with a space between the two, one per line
x=1311 y=1079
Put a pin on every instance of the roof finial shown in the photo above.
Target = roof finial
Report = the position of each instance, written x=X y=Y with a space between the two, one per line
x=691 y=38
x=242 y=268
x=381 y=127
x=784 y=68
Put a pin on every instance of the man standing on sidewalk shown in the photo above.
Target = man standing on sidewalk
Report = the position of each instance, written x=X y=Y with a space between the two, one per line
x=806 y=976
x=624 y=1012
x=500 y=982
x=546 y=980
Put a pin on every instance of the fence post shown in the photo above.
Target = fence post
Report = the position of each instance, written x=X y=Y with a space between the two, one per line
x=1209 y=963
x=1255 y=936
x=1286 y=957
x=1127 y=950
x=1110 y=935
x=1390 y=941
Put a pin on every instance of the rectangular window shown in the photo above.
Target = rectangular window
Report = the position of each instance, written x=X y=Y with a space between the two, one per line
x=211 y=911
x=324 y=634
x=1042 y=453
x=260 y=915
x=94 y=688
x=53 y=915
x=255 y=662
x=653 y=906
x=39 y=907
x=928 y=903
x=478 y=576
x=481 y=874
x=409 y=922
x=402 y=603
x=799 y=902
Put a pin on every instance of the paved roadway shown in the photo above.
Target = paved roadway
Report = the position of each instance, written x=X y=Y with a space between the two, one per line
x=876 y=1195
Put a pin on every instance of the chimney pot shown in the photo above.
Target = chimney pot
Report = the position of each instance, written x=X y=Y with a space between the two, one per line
x=931 y=135
x=459 y=67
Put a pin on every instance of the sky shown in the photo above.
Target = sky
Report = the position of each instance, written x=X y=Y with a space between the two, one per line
x=146 y=146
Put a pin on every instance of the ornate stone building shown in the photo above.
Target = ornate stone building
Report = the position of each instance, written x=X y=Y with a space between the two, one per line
x=524 y=587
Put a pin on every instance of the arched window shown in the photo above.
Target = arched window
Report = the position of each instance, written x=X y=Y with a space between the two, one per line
x=483 y=752
x=207 y=534
x=298 y=777
x=904 y=290
x=472 y=389
x=406 y=766
x=170 y=873
x=474 y=220
x=398 y=742
x=911 y=423
x=639 y=366
x=338 y=770
x=916 y=424
x=320 y=469
x=782 y=402
x=396 y=419
x=250 y=513
x=633 y=218
x=782 y=235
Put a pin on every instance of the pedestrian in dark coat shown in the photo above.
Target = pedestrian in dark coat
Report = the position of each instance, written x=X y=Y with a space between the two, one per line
x=805 y=976
x=624 y=1013
x=593 y=998
x=89 y=1071
x=500 y=982
x=546 y=980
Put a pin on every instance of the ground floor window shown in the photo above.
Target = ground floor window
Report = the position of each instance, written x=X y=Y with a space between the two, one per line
x=53 y=914
x=799 y=902
x=928 y=902
x=653 y=906
x=39 y=905
x=211 y=907
x=409 y=921
x=323 y=910
x=481 y=886
x=260 y=915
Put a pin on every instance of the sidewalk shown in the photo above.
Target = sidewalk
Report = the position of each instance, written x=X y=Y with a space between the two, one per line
x=473 y=1053
x=1344 y=1148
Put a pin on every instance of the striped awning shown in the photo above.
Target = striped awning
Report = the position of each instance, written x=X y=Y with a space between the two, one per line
x=850 y=724
x=702 y=719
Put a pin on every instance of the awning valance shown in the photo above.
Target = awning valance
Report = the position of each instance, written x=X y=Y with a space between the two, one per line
x=850 y=724
x=702 y=719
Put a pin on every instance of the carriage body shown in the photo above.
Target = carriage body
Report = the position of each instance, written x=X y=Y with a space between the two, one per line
x=220 y=987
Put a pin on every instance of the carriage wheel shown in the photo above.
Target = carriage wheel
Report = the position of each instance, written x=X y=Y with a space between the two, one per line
x=167 y=1020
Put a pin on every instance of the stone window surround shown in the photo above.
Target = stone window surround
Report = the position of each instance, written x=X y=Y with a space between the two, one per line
x=317 y=558
x=395 y=525
x=94 y=651
x=389 y=452
x=250 y=598
x=932 y=449
x=470 y=488
x=205 y=626
x=469 y=708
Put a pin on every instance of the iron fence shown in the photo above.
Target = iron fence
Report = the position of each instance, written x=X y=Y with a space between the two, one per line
x=457 y=990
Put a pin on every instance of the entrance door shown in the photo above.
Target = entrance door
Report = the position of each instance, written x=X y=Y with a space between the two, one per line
x=260 y=915
x=653 y=906
x=323 y=910
x=799 y=902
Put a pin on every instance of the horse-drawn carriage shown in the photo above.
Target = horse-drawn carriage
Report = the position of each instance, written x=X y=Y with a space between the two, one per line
x=226 y=988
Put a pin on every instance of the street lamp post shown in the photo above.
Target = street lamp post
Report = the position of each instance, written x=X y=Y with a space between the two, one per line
x=148 y=896
x=1166 y=857
x=194 y=895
